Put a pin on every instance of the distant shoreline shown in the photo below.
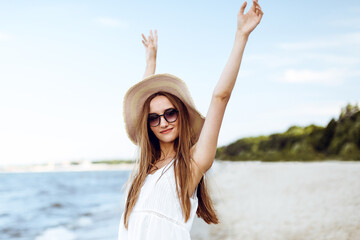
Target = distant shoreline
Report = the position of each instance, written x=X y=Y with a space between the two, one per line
x=124 y=166
x=67 y=168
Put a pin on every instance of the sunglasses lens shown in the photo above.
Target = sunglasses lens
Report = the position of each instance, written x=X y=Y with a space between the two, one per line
x=171 y=115
x=154 y=120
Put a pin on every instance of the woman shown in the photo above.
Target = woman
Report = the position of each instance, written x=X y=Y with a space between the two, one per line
x=177 y=145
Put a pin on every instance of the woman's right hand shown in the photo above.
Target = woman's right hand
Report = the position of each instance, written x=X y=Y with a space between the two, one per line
x=246 y=23
x=150 y=44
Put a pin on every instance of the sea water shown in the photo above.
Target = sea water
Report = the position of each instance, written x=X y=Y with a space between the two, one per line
x=61 y=205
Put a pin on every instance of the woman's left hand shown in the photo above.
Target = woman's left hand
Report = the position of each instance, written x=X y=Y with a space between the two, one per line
x=150 y=45
x=246 y=23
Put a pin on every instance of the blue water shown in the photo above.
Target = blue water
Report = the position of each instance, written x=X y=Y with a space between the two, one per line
x=61 y=205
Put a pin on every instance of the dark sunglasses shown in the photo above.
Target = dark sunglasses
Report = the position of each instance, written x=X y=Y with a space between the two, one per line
x=170 y=116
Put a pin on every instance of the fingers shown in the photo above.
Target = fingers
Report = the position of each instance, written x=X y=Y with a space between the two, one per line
x=256 y=3
x=252 y=8
x=144 y=41
x=259 y=12
x=144 y=37
x=242 y=9
x=156 y=37
x=257 y=8
x=151 y=40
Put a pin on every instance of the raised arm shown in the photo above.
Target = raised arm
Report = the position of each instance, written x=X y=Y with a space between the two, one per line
x=151 y=49
x=205 y=149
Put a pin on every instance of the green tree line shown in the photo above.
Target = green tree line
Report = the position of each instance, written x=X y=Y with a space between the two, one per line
x=339 y=140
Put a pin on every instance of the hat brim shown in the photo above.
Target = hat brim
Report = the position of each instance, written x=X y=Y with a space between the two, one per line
x=136 y=96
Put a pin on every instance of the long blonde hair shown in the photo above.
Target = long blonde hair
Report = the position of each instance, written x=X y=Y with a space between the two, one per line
x=150 y=151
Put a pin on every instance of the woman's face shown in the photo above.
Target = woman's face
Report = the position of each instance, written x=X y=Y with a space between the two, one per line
x=166 y=132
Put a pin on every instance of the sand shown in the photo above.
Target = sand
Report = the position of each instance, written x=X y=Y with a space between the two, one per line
x=276 y=201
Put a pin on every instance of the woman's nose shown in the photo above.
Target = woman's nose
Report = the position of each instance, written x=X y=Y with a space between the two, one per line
x=163 y=122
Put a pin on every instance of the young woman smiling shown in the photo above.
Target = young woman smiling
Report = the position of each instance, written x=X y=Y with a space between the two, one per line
x=177 y=145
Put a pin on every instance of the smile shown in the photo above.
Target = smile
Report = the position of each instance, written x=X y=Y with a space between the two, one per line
x=166 y=131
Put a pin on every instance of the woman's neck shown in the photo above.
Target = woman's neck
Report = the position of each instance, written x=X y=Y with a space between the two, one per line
x=167 y=150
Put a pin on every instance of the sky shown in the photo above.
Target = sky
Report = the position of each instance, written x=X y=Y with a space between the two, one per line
x=65 y=67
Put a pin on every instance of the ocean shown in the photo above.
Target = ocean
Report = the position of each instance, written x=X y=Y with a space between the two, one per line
x=61 y=205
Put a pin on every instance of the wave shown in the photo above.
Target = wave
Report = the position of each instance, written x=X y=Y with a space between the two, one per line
x=57 y=233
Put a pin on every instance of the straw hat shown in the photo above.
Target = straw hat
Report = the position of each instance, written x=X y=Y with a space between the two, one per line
x=136 y=96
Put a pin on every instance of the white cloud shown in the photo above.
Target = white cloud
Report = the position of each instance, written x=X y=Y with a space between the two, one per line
x=5 y=37
x=308 y=45
x=337 y=59
x=352 y=39
x=330 y=77
x=309 y=109
x=111 y=22
x=285 y=60
x=317 y=109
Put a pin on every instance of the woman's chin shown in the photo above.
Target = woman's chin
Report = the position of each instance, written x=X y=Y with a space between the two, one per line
x=167 y=139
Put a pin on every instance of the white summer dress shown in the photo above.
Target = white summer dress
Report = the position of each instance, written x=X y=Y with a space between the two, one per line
x=157 y=214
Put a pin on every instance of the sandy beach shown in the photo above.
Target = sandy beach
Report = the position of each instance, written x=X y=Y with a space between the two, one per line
x=278 y=201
